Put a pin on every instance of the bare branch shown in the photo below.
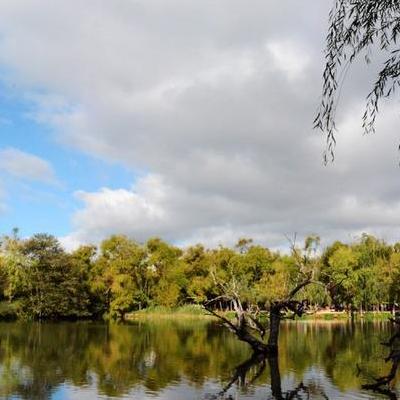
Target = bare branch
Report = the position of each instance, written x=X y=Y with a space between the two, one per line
x=226 y=321
x=298 y=288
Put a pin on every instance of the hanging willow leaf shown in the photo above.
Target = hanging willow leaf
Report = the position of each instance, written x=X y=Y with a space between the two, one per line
x=357 y=27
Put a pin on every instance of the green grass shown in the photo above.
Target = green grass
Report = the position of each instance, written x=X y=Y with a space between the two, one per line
x=197 y=312
x=187 y=311
x=380 y=316
x=333 y=316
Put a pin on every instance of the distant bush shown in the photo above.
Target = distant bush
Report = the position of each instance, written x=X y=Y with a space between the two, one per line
x=8 y=311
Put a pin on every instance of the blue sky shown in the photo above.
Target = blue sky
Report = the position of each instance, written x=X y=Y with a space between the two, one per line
x=38 y=206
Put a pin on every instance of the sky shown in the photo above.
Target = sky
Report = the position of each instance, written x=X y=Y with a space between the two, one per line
x=188 y=120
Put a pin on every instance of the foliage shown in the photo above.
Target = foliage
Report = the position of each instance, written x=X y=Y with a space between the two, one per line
x=40 y=280
x=44 y=280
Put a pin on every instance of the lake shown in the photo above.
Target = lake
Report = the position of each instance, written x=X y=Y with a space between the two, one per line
x=177 y=360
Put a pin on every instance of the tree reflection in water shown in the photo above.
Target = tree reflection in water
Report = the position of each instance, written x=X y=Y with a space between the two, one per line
x=315 y=360
x=255 y=366
x=384 y=384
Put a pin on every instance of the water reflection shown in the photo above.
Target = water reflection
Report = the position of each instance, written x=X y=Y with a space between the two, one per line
x=254 y=367
x=384 y=384
x=186 y=360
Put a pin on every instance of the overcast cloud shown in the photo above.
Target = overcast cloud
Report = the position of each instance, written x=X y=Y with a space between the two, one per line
x=211 y=104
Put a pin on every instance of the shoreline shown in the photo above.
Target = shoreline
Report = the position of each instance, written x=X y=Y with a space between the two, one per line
x=196 y=312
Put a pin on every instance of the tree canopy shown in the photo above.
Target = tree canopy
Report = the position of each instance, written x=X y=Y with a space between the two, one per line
x=40 y=280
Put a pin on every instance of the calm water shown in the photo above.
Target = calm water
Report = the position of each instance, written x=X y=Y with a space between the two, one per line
x=186 y=360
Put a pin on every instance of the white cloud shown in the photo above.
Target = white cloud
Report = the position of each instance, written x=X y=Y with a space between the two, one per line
x=136 y=210
x=26 y=166
x=150 y=208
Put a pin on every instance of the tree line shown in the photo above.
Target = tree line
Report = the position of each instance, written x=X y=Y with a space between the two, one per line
x=40 y=280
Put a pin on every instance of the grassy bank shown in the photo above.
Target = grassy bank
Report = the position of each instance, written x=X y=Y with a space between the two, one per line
x=333 y=315
x=159 y=312
x=197 y=312
x=9 y=312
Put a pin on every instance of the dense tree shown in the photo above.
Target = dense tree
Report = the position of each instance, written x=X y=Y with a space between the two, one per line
x=39 y=280
x=199 y=283
x=120 y=275
x=43 y=279
x=362 y=275
x=338 y=273
x=13 y=264
x=167 y=271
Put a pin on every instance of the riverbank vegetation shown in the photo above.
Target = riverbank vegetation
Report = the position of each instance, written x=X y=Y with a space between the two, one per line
x=40 y=280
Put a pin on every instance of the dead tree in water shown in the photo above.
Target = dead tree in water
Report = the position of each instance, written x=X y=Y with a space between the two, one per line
x=382 y=384
x=250 y=323
x=247 y=373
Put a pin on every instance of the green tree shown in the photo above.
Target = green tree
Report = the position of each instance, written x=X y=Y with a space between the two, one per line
x=199 y=281
x=119 y=275
x=13 y=264
x=83 y=262
x=392 y=282
x=167 y=271
x=49 y=287
x=339 y=264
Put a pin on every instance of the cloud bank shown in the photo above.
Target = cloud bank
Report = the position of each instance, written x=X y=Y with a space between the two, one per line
x=211 y=104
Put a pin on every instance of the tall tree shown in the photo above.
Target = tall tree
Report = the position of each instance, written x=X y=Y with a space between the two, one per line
x=50 y=287
x=118 y=275
x=168 y=272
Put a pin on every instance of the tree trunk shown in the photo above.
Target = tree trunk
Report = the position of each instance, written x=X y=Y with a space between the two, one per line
x=257 y=346
x=276 y=386
x=274 y=325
